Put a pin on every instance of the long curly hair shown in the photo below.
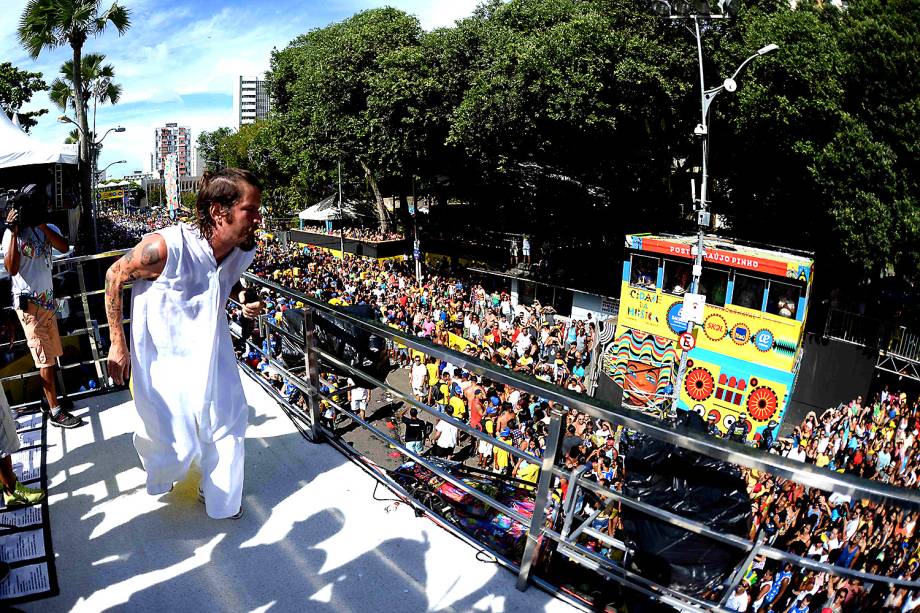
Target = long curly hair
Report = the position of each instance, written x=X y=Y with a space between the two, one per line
x=224 y=187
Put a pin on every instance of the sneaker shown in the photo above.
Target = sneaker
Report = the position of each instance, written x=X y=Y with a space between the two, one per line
x=65 y=420
x=65 y=403
x=23 y=495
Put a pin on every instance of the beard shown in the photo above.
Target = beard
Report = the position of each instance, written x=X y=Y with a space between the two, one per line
x=249 y=242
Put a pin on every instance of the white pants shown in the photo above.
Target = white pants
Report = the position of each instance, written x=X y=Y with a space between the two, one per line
x=167 y=461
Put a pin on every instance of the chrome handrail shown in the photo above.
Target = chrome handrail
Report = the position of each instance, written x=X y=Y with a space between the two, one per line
x=805 y=474
x=722 y=449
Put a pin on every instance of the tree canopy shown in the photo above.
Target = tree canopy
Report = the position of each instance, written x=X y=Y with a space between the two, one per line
x=16 y=89
x=574 y=118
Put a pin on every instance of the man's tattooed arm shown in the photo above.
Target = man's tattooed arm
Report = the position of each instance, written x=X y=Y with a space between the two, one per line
x=144 y=261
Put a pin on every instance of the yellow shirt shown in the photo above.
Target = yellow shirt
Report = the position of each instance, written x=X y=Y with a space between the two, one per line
x=457 y=406
x=502 y=456
x=432 y=373
x=528 y=472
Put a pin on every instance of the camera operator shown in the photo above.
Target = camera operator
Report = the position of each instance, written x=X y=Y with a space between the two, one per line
x=26 y=250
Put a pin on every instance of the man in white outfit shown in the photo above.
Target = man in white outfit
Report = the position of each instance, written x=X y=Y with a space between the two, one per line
x=185 y=382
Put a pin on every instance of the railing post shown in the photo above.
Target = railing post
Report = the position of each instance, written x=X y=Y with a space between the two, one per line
x=568 y=505
x=741 y=569
x=311 y=361
x=101 y=376
x=531 y=549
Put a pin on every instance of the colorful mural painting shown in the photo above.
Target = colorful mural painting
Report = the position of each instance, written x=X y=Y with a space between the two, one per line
x=642 y=364
x=749 y=341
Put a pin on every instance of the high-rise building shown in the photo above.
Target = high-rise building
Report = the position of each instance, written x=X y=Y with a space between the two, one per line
x=198 y=163
x=175 y=139
x=253 y=99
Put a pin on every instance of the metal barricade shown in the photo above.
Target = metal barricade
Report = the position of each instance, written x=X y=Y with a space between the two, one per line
x=539 y=533
x=88 y=286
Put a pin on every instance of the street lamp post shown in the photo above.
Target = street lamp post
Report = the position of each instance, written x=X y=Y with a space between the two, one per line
x=95 y=146
x=341 y=216
x=701 y=205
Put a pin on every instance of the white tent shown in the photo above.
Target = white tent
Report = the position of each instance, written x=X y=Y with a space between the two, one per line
x=19 y=149
x=327 y=209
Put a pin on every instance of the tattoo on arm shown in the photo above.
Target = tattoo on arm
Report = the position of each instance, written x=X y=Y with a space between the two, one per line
x=141 y=262
x=113 y=299
x=150 y=255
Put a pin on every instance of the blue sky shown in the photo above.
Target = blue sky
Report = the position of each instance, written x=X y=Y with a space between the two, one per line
x=180 y=60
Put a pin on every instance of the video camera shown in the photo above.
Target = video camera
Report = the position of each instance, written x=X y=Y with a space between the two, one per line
x=28 y=203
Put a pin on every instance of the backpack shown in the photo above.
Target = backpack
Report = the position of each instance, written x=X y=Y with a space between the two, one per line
x=436 y=393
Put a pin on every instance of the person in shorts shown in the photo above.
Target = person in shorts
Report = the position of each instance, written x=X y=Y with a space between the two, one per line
x=414 y=432
x=419 y=377
x=445 y=439
x=357 y=396
x=27 y=257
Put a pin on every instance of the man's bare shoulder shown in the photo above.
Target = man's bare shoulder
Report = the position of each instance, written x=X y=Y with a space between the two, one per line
x=145 y=260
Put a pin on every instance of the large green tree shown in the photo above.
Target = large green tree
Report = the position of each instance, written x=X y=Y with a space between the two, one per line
x=573 y=108
x=574 y=118
x=818 y=148
x=209 y=144
x=321 y=85
x=49 y=24
x=16 y=89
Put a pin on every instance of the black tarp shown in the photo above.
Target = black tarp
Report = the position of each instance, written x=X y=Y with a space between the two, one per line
x=350 y=343
x=695 y=487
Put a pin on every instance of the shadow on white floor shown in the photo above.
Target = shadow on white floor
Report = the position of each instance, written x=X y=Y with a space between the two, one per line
x=312 y=538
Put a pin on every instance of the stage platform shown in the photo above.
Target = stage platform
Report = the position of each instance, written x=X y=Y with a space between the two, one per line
x=312 y=537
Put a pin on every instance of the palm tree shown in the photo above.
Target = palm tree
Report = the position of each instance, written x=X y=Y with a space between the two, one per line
x=49 y=24
x=74 y=137
x=98 y=84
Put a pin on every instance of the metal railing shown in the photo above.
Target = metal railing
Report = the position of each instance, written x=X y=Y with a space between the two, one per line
x=90 y=328
x=538 y=532
x=873 y=333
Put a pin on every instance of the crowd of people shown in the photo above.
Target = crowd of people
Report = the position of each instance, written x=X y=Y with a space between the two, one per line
x=875 y=440
x=462 y=315
x=117 y=230
x=375 y=235
x=442 y=308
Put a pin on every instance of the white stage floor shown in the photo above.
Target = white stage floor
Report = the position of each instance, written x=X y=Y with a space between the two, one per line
x=312 y=538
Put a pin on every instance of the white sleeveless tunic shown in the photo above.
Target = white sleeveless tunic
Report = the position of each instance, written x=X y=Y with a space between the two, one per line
x=186 y=385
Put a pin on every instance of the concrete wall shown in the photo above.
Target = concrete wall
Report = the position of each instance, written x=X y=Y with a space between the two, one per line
x=600 y=308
